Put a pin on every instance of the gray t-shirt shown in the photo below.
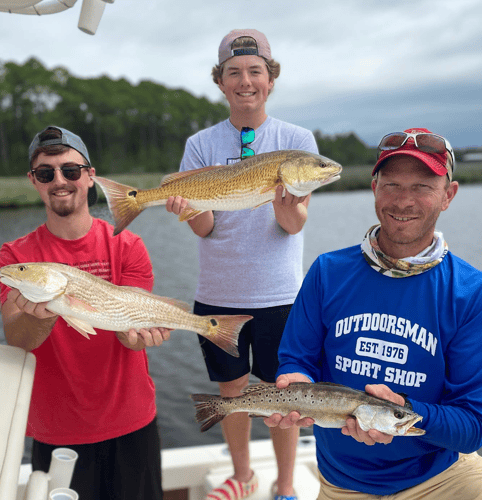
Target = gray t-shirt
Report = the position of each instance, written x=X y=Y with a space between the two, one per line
x=248 y=260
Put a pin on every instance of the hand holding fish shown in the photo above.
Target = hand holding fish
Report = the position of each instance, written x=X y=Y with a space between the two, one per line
x=201 y=224
x=372 y=436
x=290 y=210
x=37 y=309
x=176 y=204
x=147 y=337
x=293 y=418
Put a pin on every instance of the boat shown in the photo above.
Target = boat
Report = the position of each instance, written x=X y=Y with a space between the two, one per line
x=90 y=14
x=188 y=473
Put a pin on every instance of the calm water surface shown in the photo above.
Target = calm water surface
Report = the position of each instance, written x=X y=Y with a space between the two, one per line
x=335 y=220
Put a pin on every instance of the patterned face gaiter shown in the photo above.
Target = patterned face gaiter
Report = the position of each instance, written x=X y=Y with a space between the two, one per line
x=402 y=268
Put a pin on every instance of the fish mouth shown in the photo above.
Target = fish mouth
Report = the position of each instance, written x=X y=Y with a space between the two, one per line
x=330 y=180
x=8 y=280
x=415 y=431
x=408 y=428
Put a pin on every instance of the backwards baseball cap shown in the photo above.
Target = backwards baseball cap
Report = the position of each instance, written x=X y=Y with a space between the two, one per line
x=431 y=149
x=66 y=138
x=226 y=51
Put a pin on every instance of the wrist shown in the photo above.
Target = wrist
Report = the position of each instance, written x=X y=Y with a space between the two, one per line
x=407 y=403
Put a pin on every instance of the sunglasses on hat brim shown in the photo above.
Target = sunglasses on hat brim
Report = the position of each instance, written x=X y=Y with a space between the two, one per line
x=426 y=142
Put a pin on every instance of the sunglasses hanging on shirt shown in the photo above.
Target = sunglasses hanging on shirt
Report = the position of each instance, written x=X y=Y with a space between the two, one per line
x=247 y=137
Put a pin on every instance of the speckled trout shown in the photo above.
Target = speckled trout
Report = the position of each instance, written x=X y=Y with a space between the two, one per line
x=329 y=405
x=86 y=302
x=247 y=184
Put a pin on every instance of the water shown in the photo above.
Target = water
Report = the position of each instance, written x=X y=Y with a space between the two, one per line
x=335 y=220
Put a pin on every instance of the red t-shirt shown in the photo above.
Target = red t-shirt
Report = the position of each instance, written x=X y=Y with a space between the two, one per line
x=87 y=391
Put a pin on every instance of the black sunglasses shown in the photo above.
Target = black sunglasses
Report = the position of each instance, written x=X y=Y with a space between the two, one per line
x=247 y=137
x=71 y=172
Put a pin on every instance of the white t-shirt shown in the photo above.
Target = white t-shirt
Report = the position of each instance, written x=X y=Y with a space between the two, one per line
x=248 y=260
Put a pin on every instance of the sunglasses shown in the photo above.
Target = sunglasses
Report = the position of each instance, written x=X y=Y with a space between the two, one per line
x=247 y=137
x=71 y=172
x=428 y=143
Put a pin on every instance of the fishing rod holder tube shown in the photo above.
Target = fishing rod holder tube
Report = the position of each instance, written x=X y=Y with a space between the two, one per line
x=54 y=485
x=90 y=15
x=62 y=468
x=63 y=494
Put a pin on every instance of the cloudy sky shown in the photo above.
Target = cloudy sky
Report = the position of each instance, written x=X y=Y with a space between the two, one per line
x=367 y=66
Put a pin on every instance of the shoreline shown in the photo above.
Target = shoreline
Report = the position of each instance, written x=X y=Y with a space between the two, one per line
x=18 y=192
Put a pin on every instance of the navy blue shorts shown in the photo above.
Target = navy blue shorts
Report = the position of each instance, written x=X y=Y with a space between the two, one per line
x=260 y=335
x=123 y=468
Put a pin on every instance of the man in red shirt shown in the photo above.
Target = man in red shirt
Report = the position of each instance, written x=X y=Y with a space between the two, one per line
x=96 y=396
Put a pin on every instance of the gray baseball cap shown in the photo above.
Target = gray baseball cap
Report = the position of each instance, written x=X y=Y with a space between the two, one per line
x=66 y=138
x=69 y=139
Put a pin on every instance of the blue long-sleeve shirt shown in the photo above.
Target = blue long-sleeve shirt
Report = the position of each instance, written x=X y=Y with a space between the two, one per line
x=421 y=335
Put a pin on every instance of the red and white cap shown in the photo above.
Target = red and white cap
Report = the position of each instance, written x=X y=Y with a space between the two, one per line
x=439 y=163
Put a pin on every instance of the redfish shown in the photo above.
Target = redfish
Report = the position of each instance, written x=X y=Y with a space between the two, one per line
x=86 y=302
x=247 y=184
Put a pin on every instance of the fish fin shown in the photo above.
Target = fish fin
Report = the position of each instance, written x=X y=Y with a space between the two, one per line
x=175 y=176
x=81 y=326
x=168 y=300
x=261 y=204
x=189 y=213
x=267 y=189
x=174 y=302
x=122 y=202
x=256 y=387
x=206 y=410
x=76 y=303
x=224 y=330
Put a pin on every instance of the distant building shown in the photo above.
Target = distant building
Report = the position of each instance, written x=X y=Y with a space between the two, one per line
x=473 y=156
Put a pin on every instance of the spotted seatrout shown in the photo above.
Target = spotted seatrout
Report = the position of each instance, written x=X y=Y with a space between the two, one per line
x=246 y=184
x=86 y=302
x=328 y=404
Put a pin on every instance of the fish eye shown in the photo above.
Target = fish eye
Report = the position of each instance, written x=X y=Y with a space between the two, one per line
x=22 y=268
x=322 y=165
x=398 y=414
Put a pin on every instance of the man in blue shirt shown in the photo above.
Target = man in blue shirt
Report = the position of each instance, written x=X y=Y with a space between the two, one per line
x=400 y=314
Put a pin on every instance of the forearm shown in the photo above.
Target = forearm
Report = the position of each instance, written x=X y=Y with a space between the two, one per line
x=290 y=211
x=203 y=224
x=450 y=427
x=26 y=331
x=292 y=218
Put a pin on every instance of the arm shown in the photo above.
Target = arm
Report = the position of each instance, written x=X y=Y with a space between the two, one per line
x=26 y=324
x=290 y=211
x=192 y=159
x=201 y=225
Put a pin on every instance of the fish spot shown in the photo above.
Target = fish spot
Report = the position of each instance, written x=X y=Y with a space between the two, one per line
x=132 y=193
x=213 y=322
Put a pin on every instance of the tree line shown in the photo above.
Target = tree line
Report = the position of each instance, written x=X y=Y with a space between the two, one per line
x=126 y=127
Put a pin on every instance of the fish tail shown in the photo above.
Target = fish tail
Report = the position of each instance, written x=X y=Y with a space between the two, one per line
x=122 y=202
x=224 y=331
x=207 y=411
